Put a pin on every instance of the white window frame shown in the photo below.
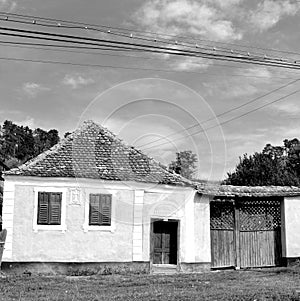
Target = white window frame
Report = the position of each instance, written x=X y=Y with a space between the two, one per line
x=86 y=226
x=62 y=227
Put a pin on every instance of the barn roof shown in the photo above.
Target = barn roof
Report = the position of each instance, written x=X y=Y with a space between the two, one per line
x=247 y=191
x=94 y=152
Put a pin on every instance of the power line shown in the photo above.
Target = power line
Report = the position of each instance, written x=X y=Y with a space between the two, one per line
x=145 y=47
x=227 y=121
x=123 y=67
x=44 y=47
x=128 y=30
x=223 y=113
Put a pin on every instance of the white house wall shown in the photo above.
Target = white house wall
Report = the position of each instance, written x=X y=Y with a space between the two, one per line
x=134 y=205
x=291 y=226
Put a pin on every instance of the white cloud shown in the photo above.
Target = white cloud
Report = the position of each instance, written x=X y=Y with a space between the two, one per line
x=32 y=89
x=183 y=17
x=76 y=81
x=190 y=64
x=289 y=108
x=28 y=121
x=8 y=5
x=270 y=12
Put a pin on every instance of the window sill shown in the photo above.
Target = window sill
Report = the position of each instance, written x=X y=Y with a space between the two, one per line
x=61 y=228
x=87 y=228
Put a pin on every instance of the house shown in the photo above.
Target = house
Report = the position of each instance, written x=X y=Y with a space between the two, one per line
x=92 y=199
x=93 y=202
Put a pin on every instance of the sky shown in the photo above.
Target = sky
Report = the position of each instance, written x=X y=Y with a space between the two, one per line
x=142 y=106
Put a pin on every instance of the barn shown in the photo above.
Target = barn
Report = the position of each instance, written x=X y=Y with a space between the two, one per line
x=94 y=203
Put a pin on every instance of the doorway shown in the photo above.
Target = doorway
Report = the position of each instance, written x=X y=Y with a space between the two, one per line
x=164 y=242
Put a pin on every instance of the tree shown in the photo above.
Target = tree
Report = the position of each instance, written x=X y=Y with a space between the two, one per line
x=19 y=143
x=275 y=165
x=185 y=164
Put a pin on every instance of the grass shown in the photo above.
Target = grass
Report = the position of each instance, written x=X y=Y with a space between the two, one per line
x=264 y=284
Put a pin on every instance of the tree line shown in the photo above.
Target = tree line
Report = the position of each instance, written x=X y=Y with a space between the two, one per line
x=19 y=144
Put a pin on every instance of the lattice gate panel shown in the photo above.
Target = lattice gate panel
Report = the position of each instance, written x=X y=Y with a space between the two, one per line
x=222 y=233
x=259 y=232
x=260 y=216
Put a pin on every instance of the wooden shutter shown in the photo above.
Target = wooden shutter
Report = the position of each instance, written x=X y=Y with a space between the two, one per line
x=100 y=210
x=106 y=210
x=49 y=208
x=55 y=208
x=43 y=208
x=94 y=216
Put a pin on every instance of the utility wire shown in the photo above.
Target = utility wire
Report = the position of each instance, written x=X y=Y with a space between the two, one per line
x=229 y=120
x=128 y=30
x=30 y=45
x=125 y=67
x=145 y=47
x=223 y=113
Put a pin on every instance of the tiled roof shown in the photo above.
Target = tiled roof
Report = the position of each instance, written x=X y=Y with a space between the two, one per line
x=94 y=152
x=247 y=191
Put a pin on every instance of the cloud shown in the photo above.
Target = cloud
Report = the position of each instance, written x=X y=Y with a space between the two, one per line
x=289 y=108
x=270 y=12
x=8 y=5
x=28 y=121
x=183 y=17
x=32 y=89
x=190 y=64
x=75 y=81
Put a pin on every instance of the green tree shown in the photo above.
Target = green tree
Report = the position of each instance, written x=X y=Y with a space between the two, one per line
x=275 y=165
x=184 y=164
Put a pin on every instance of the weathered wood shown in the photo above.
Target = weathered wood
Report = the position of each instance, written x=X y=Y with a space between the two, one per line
x=222 y=243
x=3 y=235
x=237 y=237
x=255 y=237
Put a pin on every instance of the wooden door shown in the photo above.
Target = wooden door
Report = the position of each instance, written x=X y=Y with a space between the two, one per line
x=222 y=234
x=164 y=242
x=259 y=233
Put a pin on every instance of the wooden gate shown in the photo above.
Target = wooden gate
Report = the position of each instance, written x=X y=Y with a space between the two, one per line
x=246 y=233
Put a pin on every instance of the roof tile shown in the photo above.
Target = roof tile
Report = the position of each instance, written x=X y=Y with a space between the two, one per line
x=94 y=152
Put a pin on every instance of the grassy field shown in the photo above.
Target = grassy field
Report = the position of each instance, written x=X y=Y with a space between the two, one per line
x=264 y=284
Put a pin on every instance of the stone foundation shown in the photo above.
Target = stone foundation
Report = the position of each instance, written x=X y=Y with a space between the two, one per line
x=75 y=269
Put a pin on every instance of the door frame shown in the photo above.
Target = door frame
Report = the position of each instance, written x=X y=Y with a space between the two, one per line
x=171 y=220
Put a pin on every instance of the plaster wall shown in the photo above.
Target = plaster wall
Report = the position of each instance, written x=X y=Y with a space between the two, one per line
x=291 y=226
x=74 y=244
x=192 y=212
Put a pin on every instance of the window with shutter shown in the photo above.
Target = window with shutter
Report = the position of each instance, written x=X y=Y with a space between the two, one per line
x=100 y=210
x=49 y=208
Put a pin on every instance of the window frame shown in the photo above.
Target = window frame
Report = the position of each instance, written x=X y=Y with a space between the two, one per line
x=86 y=226
x=62 y=227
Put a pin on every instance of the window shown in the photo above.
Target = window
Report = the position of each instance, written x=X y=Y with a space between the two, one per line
x=49 y=208
x=100 y=210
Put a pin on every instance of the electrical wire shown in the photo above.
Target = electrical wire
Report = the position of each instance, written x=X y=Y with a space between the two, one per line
x=26 y=45
x=227 y=121
x=125 y=67
x=223 y=113
x=144 y=47
x=128 y=30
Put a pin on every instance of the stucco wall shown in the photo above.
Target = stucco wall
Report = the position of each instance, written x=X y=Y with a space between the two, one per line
x=291 y=227
x=134 y=205
x=192 y=212
x=74 y=244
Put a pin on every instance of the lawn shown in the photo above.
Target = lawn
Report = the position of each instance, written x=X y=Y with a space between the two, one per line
x=264 y=284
